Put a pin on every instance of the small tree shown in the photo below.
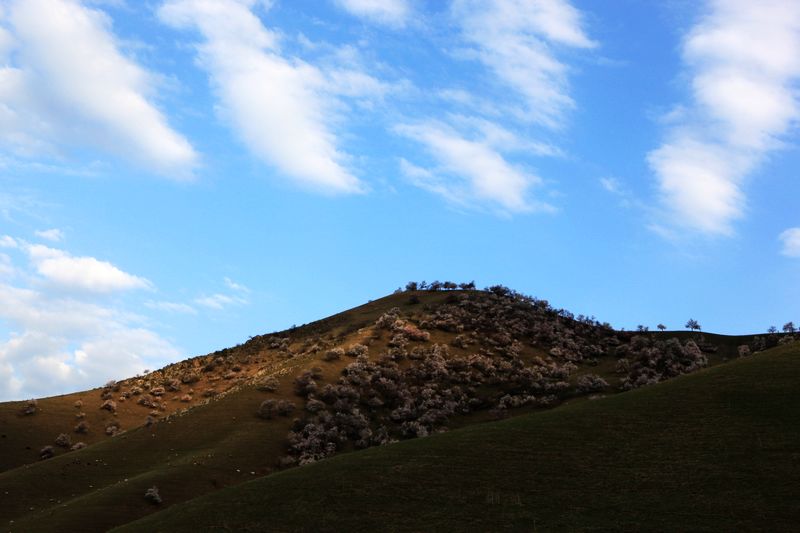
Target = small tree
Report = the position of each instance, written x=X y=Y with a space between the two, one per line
x=693 y=325
x=789 y=328
x=772 y=330
x=661 y=327
x=412 y=286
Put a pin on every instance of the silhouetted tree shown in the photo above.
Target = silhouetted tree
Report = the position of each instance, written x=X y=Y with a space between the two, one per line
x=772 y=330
x=789 y=328
x=693 y=325
x=661 y=327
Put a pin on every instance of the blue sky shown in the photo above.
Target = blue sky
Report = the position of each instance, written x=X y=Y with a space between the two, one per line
x=178 y=175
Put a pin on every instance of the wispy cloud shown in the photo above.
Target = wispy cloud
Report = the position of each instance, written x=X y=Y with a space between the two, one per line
x=52 y=97
x=238 y=287
x=518 y=41
x=467 y=170
x=219 y=301
x=743 y=61
x=171 y=307
x=790 y=240
x=53 y=235
x=389 y=12
x=277 y=105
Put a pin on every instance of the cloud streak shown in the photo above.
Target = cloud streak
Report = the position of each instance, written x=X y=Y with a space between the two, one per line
x=517 y=41
x=277 y=105
x=743 y=63
x=468 y=170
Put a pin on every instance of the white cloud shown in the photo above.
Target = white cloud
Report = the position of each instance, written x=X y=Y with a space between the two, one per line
x=469 y=171
x=53 y=96
x=8 y=242
x=54 y=235
x=791 y=242
x=743 y=59
x=63 y=343
x=276 y=104
x=611 y=185
x=517 y=41
x=238 y=287
x=219 y=301
x=81 y=273
x=389 y=12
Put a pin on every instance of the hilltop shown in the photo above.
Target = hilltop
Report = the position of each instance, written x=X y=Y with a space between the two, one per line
x=412 y=364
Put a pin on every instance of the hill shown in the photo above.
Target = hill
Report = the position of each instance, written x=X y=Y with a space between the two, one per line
x=408 y=365
x=712 y=451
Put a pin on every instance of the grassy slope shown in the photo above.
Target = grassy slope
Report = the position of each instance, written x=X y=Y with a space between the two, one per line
x=713 y=451
x=212 y=446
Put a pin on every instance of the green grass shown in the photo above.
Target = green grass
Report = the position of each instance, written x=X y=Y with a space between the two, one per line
x=718 y=450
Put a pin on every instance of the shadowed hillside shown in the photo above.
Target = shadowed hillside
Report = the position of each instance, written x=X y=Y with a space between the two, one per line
x=409 y=365
x=714 y=451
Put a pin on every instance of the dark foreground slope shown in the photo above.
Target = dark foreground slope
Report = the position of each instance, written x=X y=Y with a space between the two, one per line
x=718 y=450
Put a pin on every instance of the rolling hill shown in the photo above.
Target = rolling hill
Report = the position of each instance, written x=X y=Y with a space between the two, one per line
x=713 y=451
x=412 y=364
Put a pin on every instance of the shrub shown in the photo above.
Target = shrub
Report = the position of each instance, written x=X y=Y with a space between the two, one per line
x=591 y=383
x=78 y=404
x=146 y=402
x=190 y=377
x=112 y=429
x=415 y=334
x=267 y=409
x=78 y=446
x=186 y=398
x=31 y=406
x=285 y=407
x=270 y=408
x=47 y=452
x=304 y=384
x=173 y=385
x=63 y=440
x=157 y=391
x=82 y=427
x=355 y=350
x=209 y=393
x=269 y=384
x=333 y=354
x=109 y=405
x=744 y=350
x=152 y=495
x=388 y=319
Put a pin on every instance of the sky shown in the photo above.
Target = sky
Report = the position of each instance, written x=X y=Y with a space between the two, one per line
x=179 y=175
